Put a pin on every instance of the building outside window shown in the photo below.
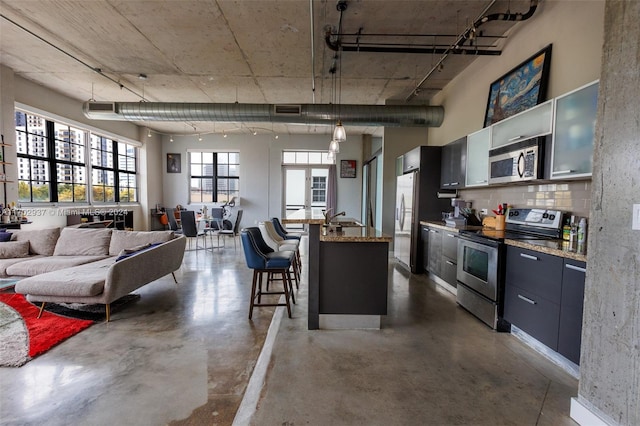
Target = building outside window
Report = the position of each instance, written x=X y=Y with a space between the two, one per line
x=213 y=176
x=53 y=164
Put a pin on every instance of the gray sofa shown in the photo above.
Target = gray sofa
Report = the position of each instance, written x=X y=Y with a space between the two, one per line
x=94 y=266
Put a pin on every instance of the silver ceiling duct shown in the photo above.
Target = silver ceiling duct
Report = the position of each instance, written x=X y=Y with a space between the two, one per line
x=361 y=115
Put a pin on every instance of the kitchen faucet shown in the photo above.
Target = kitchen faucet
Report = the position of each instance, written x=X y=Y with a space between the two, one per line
x=328 y=219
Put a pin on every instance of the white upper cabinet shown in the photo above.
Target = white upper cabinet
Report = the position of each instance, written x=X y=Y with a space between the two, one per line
x=536 y=121
x=574 y=132
x=478 y=145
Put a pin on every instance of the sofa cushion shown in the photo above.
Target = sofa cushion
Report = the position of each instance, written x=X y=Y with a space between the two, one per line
x=5 y=263
x=79 y=281
x=41 y=241
x=41 y=265
x=83 y=242
x=12 y=249
x=126 y=240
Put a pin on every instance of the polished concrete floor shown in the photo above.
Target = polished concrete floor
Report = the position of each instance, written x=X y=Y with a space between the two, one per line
x=184 y=354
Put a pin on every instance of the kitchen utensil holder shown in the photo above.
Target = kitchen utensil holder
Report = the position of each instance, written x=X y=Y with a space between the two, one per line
x=500 y=221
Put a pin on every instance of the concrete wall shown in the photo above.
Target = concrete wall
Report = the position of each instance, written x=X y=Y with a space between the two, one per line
x=610 y=361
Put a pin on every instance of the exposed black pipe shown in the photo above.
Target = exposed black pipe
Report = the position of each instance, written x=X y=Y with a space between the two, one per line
x=456 y=48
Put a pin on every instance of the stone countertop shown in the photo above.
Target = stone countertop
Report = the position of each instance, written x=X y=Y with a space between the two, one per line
x=555 y=247
x=356 y=234
x=559 y=248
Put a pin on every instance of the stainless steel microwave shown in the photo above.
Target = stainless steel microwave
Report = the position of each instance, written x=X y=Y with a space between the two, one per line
x=520 y=161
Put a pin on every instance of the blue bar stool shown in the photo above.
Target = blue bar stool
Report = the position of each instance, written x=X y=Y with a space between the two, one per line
x=262 y=259
x=283 y=232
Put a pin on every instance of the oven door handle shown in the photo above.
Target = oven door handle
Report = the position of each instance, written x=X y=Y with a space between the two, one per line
x=526 y=299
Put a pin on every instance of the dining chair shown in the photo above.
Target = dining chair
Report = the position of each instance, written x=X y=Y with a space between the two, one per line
x=190 y=228
x=232 y=232
x=262 y=259
x=173 y=223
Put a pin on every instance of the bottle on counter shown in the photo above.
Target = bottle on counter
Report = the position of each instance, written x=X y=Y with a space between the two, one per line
x=582 y=231
x=566 y=231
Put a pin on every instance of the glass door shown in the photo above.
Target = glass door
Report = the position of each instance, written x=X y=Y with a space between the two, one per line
x=304 y=187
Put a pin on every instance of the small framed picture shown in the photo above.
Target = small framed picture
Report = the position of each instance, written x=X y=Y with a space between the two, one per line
x=347 y=168
x=173 y=163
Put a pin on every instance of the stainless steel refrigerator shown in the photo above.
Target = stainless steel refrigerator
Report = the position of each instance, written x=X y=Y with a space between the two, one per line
x=416 y=199
x=404 y=217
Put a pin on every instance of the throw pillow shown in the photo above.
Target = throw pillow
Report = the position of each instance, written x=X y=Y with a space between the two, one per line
x=125 y=253
x=14 y=249
x=5 y=236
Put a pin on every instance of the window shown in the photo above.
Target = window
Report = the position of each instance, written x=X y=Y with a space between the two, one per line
x=213 y=176
x=52 y=164
x=306 y=157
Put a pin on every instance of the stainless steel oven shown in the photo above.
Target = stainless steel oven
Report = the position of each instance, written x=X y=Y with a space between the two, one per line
x=480 y=274
x=482 y=256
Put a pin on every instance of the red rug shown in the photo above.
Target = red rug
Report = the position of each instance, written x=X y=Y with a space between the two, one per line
x=44 y=332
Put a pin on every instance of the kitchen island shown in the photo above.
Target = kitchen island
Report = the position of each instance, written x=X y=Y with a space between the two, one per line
x=348 y=273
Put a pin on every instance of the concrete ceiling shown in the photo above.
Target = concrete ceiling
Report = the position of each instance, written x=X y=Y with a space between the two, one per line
x=246 y=51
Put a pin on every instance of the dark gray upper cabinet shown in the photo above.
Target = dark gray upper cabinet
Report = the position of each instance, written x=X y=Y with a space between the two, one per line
x=454 y=164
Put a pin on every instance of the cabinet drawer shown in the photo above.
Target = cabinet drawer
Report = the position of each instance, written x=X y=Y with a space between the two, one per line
x=533 y=314
x=450 y=245
x=535 y=272
x=449 y=269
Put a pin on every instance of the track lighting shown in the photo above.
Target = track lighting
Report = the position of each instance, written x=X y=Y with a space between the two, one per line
x=224 y=134
x=199 y=137
x=148 y=133
x=171 y=138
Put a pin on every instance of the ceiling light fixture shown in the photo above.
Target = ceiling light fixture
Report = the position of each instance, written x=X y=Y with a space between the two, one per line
x=339 y=133
x=171 y=138
x=148 y=133
x=199 y=137
x=334 y=146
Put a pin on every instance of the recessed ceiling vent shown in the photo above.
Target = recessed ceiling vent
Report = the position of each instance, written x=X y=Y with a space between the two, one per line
x=102 y=106
x=287 y=109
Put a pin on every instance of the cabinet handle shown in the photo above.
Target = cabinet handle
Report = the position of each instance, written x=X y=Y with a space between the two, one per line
x=446 y=184
x=528 y=256
x=481 y=181
x=448 y=262
x=526 y=299
x=563 y=172
x=433 y=230
x=451 y=235
x=455 y=183
x=515 y=138
x=574 y=267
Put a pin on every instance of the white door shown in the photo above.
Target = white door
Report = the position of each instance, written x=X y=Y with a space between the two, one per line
x=304 y=187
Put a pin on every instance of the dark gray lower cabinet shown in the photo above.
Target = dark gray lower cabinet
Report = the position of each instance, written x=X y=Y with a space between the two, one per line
x=535 y=315
x=424 y=241
x=434 y=256
x=570 y=333
x=544 y=297
x=449 y=265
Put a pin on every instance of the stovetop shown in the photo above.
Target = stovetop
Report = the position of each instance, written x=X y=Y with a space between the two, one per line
x=523 y=225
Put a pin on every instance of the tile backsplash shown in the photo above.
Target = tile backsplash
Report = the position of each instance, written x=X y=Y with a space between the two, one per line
x=572 y=197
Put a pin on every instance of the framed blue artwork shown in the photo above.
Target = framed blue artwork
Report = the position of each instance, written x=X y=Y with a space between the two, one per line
x=521 y=88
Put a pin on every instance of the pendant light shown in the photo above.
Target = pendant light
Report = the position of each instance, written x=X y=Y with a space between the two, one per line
x=334 y=146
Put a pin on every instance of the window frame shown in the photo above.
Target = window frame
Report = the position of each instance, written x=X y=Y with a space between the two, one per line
x=53 y=161
x=215 y=177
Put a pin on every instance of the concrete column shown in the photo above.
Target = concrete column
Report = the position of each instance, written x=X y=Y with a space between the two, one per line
x=610 y=363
